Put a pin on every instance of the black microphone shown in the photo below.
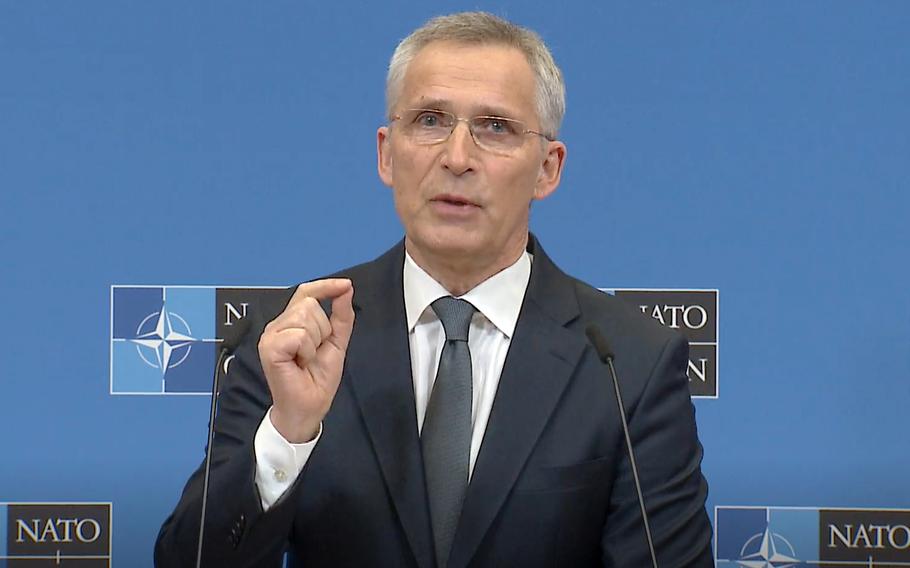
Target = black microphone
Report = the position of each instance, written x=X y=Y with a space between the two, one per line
x=599 y=342
x=228 y=345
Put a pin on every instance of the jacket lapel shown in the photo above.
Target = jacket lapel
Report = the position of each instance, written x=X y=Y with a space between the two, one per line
x=541 y=359
x=378 y=366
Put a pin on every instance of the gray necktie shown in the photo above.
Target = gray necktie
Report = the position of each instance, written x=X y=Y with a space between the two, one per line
x=446 y=434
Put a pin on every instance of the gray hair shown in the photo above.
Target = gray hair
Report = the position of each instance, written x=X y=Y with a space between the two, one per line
x=484 y=28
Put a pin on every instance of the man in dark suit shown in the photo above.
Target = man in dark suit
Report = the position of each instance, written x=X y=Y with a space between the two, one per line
x=448 y=409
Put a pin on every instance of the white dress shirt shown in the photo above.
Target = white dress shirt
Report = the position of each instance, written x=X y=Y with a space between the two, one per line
x=498 y=301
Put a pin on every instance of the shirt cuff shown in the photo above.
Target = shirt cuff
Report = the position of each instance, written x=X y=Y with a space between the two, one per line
x=278 y=462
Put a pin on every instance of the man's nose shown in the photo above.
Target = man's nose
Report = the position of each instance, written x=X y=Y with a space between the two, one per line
x=459 y=149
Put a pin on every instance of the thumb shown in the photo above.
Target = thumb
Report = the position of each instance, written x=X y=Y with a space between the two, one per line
x=342 y=319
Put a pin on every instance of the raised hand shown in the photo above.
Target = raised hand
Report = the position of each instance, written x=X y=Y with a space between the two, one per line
x=302 y=353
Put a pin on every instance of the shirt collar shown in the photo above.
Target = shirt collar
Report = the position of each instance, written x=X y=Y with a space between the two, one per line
x=498 y=298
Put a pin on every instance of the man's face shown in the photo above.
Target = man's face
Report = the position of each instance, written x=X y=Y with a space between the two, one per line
x=457 y=201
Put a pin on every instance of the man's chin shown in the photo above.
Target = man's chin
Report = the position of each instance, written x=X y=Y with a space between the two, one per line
x=446 y=244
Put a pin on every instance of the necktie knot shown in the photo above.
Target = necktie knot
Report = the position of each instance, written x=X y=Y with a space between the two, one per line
x=455 y=316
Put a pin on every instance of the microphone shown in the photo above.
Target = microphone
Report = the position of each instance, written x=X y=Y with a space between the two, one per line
x=228 y=345
x=605 y=353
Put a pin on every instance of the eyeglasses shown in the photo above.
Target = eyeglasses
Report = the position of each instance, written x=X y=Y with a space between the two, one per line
x=492 y=133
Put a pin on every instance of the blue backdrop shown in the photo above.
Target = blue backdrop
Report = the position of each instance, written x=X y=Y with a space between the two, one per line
x=757 y=148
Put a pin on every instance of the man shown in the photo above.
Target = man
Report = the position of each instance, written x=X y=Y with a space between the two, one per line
x=450 y=411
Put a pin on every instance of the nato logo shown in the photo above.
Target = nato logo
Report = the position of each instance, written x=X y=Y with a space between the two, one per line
x=165 y=339
x=162 y=339
x=694 y=313
x=781 y=537
x=55 y=534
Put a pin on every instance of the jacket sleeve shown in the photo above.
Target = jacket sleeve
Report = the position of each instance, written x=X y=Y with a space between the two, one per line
x=237 y=532
x=668 y=454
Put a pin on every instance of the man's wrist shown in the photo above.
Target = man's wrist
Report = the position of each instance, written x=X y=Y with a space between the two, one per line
x=294 y=431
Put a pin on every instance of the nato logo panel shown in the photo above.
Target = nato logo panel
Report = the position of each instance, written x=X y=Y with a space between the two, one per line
x=784 y=537
x=55 y=534
x=165 y=339
x=694 y=313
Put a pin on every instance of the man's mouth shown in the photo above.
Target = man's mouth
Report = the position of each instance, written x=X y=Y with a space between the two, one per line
x=454 y=200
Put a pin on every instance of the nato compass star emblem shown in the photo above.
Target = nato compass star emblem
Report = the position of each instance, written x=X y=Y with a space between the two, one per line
x=163 y=339
x=160 y=344
x=763 y=550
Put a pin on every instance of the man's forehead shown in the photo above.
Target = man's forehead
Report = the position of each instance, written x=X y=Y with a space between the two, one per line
x=493 y=78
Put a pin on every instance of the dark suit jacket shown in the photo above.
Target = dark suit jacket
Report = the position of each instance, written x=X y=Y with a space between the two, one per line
x=551 y=485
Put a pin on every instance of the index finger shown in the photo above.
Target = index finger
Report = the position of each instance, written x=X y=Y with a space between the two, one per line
x=326 y=289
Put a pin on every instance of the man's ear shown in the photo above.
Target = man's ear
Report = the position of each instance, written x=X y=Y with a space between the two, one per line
x=384 y=155
x=550 y=170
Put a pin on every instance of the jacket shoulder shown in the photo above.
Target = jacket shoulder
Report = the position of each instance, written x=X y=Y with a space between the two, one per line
x=619 y=319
